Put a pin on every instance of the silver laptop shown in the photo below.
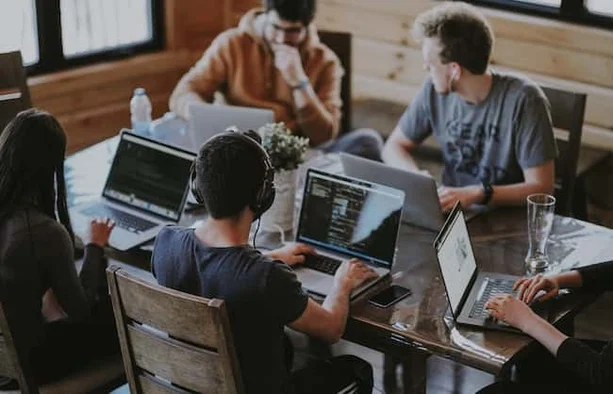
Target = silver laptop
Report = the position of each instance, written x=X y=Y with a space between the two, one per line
x=207 y=120
x=343 y=218
x=145 y=189
x=468 y=288
x=421 y=205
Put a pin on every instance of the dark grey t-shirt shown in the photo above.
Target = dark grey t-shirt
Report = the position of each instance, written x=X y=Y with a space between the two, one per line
x=261 y=295
x=494 y=140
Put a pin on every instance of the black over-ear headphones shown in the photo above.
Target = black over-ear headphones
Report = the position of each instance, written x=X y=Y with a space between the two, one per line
x=266 y=192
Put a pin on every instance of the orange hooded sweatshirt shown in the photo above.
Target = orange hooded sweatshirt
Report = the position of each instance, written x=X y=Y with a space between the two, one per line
x=240 y=64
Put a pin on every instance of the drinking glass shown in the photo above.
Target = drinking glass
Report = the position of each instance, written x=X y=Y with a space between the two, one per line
x=540 y=219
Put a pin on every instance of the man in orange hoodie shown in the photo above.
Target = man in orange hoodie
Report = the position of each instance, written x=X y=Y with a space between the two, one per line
x=274 y=59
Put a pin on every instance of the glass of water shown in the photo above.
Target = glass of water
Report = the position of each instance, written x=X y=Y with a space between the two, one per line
x=540 y=219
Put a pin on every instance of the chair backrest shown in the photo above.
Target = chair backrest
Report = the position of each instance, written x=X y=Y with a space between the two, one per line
x=567 y=114
x=14 y=92
x=13 y=357
x=172 y=341
x=340 y=43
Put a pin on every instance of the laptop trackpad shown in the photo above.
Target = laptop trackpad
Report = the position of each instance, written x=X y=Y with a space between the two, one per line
x=315 y=281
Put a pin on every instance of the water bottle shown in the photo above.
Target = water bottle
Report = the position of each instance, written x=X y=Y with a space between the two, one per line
x=140 y=112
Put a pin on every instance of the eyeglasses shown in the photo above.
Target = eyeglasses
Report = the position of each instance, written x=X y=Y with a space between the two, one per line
x=290 y=31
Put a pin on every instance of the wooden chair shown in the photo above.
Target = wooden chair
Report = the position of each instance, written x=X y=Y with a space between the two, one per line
x=14 y=92
x=340 y=43
x=14 y=364
x=172 y=342
x=567 y=114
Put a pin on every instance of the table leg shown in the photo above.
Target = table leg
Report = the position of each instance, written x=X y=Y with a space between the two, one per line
x=415 y=373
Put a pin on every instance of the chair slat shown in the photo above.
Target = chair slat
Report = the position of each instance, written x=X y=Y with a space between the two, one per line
x=177 y=315
x=186 y=365
x=6 y=362
x=151 y=385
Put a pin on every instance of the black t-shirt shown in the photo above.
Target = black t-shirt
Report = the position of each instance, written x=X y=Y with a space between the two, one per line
x=261 y=295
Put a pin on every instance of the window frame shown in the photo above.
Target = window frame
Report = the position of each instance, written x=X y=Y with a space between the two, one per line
x=574 y=11
x=49 y=36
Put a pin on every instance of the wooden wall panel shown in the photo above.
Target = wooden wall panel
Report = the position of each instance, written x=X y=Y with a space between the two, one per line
x=92 y=103
x=192 y=24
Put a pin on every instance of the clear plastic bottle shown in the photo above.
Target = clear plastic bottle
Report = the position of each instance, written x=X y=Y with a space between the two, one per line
x=140 y=112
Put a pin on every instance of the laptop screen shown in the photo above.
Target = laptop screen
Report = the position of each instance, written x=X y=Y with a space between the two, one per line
x=455 y=258
x=354 y=217
x=149 y=176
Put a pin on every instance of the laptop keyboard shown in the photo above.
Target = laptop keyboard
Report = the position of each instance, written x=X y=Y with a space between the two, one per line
x=321 y=263
x=493 y=287
x=122 y=219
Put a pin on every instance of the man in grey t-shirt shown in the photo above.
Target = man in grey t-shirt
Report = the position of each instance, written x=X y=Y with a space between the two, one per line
x=494 y=129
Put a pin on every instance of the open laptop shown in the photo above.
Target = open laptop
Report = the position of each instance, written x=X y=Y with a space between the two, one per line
x=145 y=189
x=468 y=288
x=207 y=120
x=343 y=218
x=421 y=204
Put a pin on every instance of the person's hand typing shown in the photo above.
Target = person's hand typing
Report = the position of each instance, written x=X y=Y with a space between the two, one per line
x=352 y=274
x=292 y=254
x=467 y=196
x=511 y=310
x=100 y=231
x=528 y=288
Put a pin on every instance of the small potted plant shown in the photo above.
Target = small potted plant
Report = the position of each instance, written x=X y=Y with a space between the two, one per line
x=287 y=152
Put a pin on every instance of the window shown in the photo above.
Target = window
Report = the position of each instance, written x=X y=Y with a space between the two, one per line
x=55 y=34
x=603 y=7
x=591 y=12
x=18 y=29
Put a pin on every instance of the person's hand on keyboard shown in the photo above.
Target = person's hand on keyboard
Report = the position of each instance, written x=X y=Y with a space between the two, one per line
x=528 y=288
x=100 y=231
x=292 y=254
x=511 y=310
x=352 y=274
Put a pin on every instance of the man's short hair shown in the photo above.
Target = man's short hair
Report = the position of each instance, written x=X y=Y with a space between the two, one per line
x=293 y=10
x=465 y=35
x=229 y=173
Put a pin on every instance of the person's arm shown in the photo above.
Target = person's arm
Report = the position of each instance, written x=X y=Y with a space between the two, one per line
x=201 y=82
x=77 y=293
x=317 y=101
x=413 y=127
x=598 y=277
x=536 y=180
x=327 y=321
x=397 y=151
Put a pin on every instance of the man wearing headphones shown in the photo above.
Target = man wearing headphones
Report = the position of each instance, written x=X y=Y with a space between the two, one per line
x=494 y=129
x=233 y=178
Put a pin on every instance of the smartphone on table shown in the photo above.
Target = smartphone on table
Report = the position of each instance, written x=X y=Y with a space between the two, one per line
x=389 y=296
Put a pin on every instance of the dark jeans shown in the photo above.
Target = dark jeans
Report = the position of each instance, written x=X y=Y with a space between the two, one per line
x=361 y=142
x=544 y=374
x=348 y=373
x=70 y=345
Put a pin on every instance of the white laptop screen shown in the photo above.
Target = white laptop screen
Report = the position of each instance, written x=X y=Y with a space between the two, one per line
x=456 y=259
x=351 y=216
x=149 y=176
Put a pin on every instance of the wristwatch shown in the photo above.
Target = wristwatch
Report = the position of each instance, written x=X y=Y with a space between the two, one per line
x=488 y=191
x=302 y=84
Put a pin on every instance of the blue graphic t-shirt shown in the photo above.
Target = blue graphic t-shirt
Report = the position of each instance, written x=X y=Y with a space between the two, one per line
x=491 y=141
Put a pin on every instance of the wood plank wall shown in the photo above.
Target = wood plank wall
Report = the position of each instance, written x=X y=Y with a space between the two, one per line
x=387 y=64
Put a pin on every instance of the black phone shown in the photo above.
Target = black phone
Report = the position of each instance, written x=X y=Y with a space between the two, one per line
x=389 y=296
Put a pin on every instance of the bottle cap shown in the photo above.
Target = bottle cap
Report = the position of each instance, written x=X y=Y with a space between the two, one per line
x=140 y=92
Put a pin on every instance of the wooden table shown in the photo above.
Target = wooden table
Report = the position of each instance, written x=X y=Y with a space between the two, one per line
x=421 y=324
